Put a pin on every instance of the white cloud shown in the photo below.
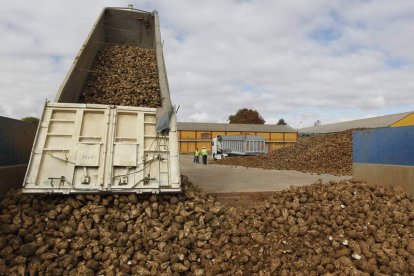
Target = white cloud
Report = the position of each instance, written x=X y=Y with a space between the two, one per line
x=199 y=117
x=305 y=61
x=373 y=102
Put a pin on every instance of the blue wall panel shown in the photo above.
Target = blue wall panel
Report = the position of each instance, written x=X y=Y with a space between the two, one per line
x=392 y=146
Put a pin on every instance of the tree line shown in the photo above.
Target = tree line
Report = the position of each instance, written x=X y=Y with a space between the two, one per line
x=250 y=116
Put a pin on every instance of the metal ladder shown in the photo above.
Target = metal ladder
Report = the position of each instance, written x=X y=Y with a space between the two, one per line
x=164 y=149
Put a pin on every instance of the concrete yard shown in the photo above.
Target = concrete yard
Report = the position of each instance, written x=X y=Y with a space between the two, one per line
x=214 y=178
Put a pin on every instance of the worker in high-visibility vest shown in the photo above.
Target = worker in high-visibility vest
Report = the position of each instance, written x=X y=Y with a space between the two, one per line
x=196 y=156
x=204 y=154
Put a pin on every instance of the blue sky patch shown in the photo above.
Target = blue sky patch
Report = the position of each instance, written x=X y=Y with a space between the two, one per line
x=325 y=35
x=247 y=88
x=57 y=59
x=335 y=15
x=395 y=63
x=10 y=26
x=179 y=37
x=250 y=88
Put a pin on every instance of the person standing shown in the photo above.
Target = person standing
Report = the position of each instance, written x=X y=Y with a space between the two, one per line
x=196 y=156
x=204 y=154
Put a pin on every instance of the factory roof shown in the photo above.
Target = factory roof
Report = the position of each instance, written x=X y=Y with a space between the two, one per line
x=233 y=127
x=374 y=122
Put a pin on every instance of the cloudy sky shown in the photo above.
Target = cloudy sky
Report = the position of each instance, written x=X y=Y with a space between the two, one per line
x=299 y=60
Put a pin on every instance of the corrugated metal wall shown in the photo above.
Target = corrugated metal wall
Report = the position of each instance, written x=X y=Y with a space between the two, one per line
x=189 y=140
x=16 y=140
x=385 y=156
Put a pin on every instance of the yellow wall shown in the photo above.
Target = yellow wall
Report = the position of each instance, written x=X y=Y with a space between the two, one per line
x=234 y=132
x=187 y=135
x=218 y=133
x=200 y=133
x=204 y=144
x=265 y=135
x=291 y=136
x=406 y=121
x=273 y=140
x=189 y=147
x=276 y=136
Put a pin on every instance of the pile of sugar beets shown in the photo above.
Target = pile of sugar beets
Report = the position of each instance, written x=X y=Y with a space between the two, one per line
x=344 y=228
x=329 y=153
x=123 y=75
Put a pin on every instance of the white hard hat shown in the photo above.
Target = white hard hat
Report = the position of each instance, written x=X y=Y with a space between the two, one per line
x=204 y=147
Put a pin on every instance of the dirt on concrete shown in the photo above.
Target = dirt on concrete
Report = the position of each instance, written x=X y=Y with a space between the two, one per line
x=324 y=154
x=213 y=178
x=242 y=200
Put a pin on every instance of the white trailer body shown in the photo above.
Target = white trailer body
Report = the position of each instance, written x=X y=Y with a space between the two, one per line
x=227 y=145
x=91 y=148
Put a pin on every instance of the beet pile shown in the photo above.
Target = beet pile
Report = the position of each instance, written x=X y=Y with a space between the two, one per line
x=330 y=154
x=344 y=227
x=123 y=75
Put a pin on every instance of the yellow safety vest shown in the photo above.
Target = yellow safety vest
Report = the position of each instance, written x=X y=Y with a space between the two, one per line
x=196 y=153
x=204 y=152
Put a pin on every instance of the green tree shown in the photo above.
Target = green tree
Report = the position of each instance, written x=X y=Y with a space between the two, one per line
x=246 y=116
x=281 y=122
x=32 y=120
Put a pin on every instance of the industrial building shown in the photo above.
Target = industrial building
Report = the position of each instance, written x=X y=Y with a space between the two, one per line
x=394 y=120
x=198 y=135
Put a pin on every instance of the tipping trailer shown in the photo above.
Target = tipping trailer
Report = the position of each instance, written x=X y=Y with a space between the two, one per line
x=84 y=147
x=223 y=146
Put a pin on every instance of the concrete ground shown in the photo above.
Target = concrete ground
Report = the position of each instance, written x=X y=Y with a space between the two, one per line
x=214 y=178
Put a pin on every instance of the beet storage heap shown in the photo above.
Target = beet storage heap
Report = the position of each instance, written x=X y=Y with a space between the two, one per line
x=346 y=227
x=123 y=75
x=331 y=154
